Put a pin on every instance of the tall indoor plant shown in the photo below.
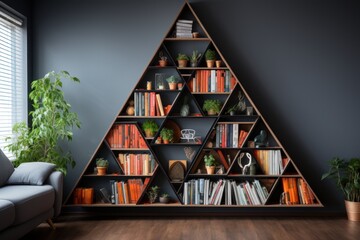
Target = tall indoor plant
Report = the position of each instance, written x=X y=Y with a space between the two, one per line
x=52 y=122
x=347 y=177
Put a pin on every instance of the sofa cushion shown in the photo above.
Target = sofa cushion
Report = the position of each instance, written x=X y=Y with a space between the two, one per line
x=29 y=200
x=34 y=173
x=7 y=214
x=6 y=168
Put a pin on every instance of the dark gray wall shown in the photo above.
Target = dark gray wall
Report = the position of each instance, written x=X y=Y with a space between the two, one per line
x=298 y=60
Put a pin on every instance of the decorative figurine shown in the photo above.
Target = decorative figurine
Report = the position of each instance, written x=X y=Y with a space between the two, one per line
x=261 y=139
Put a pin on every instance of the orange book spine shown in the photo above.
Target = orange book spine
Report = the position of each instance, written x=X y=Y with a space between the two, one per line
x=120 y=193
x=232 y=82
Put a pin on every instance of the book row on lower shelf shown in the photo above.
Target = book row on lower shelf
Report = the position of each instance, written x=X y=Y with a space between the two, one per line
x=229 y=192
x=224 y=192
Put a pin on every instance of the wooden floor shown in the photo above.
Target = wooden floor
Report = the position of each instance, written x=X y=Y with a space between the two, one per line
x=75 y=227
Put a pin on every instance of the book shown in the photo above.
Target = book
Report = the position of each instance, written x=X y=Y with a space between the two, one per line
x=223 y=160
x=161 y=108
x=104 y=195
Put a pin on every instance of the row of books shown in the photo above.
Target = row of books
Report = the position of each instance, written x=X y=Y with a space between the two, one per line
x=125 y=136
x=297 y=191
x=127 y=192
x=229 y=135
x=148 y=104
x=224 y=192
x=212 y=81
x=270 y=161
x=137 y=164
x=183 y=28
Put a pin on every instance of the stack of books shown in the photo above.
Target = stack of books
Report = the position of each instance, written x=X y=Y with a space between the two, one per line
x=184 y=28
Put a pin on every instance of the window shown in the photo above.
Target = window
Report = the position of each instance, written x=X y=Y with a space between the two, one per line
x=13 y=80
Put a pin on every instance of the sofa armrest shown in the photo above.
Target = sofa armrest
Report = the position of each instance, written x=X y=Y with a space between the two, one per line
x=56 y=180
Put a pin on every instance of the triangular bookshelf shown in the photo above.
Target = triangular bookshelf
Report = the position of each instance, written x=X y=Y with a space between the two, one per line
x=253 y=168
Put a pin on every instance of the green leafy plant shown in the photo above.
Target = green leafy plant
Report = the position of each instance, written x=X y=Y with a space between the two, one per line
x=101 y=162
x=52 y=122
x=172 y=79
x=182 y=56
x=195 y=56
x=212 y=105
x=209 y=160
x=210 y=54
x=152 y=193
x=164 y=195
x=347 y=177
x=167 y=134
x=150 y=125
x=233 y=108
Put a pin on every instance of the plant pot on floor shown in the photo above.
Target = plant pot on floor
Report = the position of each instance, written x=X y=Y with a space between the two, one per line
x=353 y=210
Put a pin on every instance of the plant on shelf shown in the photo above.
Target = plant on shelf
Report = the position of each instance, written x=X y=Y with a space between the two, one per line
x=101 y=165
x=172 y=81
x=194 y=58
x=347 y=176
x=210 y=57
x=213 y=107
x=167 y=135
x=232 y=110
x=163 y=59
x=164 y=198
x=182 y=59
x=150 y=127
x=152 y=193
x=52 y=122
x=210 y=163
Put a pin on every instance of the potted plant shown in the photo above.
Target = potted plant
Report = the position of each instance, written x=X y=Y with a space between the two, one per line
x=218 y=63
x=182 y=59
x=210 y=56
x=347 y=177
x=150 y=127
x=167 y=135
x=194 y=58
x=210 y=163
x=172 y=81
x=164 y=198
x=163 y=59
x=212 y=106
x=101 y=165
x=52 y=122
x=232 y=110
x=152 y=193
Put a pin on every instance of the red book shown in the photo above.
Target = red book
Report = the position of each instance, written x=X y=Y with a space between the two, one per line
x=120 y=193
x=232 y=82
x=126 y=143
x=146 y=182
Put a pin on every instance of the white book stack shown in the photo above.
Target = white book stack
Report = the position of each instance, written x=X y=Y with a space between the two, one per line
x=184 y=28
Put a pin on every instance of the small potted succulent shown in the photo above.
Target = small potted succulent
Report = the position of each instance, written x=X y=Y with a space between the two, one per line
x=163 y=59
x=194 y=58
x=152 y=193
x=210 y=163
x=150 y=127
x=167 y=135
x=210 y=57
x=172 y=81
x=164 y=198
x=213 y=107
x=182 y=59
x=101 y=165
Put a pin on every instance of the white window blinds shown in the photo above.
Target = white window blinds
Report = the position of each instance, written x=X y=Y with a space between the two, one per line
x=13 y=81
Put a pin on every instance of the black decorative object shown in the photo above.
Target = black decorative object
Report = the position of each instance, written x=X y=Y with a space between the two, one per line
x=261 y=139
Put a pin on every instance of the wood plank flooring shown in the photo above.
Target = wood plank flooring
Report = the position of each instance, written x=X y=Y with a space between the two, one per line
x=75 y=227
